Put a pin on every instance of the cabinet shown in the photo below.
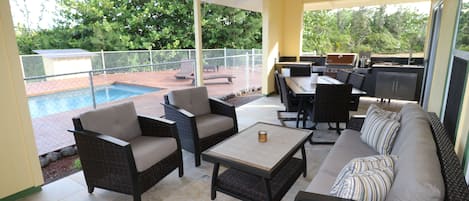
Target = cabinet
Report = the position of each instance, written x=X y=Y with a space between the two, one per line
x=396 y=85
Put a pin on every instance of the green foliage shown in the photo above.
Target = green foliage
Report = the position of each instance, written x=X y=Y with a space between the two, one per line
x=77 y=164
x=135 y=24
x=462 y=39
x=364 y=29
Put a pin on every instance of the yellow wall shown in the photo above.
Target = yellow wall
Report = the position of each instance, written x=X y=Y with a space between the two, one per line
x=272 y=24
x=282 y=24
x=19 y=167
x=292 y=28
x=443 y=54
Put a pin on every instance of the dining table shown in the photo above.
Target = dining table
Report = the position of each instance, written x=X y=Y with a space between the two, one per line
x=305 y=90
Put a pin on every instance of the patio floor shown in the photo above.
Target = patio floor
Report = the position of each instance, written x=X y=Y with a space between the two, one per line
x=51 y=131
x=195 y=185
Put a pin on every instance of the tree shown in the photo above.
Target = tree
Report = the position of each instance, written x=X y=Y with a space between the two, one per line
x=364 y=29
x=142 y=24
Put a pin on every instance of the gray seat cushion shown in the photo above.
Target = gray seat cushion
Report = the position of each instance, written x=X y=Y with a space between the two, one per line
x=119 y=121
x=418 y=174
x=148 y=151
x=194 y=100
x=347 y=147
x=210 y=124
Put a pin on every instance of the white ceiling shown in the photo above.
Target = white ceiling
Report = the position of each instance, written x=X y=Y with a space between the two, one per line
x=332 y=4
x=252 y=5
x=256 y=5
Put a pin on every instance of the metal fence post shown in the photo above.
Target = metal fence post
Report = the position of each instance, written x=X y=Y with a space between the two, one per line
x=103 y=61
x=224 y=56
x=22 y=67
x=253 y=57
x=189 y=55
x=246 y=71
x=93 y=97
x=151 y=59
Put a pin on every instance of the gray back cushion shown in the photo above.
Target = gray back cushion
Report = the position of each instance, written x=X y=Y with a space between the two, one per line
x=194 y=100
x=119 y=121
x=418 y=174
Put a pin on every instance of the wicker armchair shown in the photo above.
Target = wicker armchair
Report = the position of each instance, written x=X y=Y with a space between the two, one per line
x=126 y=153
x=201 y=121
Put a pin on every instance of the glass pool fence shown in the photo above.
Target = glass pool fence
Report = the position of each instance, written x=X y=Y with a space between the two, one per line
x=62 y=86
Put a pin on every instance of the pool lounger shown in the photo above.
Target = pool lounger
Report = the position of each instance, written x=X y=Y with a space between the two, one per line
x=214 y=76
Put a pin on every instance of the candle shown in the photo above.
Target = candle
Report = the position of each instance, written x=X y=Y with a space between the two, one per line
x=262 y=136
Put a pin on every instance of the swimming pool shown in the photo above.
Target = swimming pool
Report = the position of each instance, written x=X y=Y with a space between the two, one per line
x=44 y=105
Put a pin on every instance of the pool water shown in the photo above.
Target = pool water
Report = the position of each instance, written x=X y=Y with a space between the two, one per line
x=44 y=105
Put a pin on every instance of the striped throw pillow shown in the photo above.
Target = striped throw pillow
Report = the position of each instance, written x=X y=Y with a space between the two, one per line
x=382 y=112
x=374 y=109
x=379 y=132
x=368 y=185
x=358 y=165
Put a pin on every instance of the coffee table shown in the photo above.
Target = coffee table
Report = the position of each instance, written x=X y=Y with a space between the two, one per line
x=255 y=170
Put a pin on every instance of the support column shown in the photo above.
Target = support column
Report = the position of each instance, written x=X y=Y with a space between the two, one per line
x=20 y=169
x=198 y=44
x=272 y=23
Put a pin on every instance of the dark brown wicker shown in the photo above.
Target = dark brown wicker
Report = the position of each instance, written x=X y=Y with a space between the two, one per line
x=356 y=80
x=289 y=101
x=187 y=127
x=247 y=186
x=342 y=76
x=456 y=188
x=331 y=104
x=108 y=162
x=298 y=70
x=277 y=85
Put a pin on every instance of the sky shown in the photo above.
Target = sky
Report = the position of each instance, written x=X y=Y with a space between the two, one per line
x=43 y=12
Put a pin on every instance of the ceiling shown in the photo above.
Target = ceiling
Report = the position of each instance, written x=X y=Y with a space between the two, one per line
x=256 y=5
x=252 y=5
x=332 y=4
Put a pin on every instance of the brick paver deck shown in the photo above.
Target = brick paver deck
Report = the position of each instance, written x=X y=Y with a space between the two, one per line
x=51 y=131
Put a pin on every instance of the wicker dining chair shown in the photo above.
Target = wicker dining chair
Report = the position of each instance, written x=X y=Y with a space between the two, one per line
x=126 y=153
x=201 y=121
x=356 y=80
x=331 y=104
x=342 y=76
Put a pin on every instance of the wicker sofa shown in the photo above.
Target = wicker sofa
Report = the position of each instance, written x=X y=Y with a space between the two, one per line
x=427 y=167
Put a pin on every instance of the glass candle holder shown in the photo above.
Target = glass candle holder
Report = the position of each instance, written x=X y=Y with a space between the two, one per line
x=262 y=134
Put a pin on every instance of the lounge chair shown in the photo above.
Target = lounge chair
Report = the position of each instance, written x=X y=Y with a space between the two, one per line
x=187 y=72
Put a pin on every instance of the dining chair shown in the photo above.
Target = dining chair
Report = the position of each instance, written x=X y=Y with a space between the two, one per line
x=331 y=104
x=201 y=121
x=342 y=76
x=298 y=70
x=277 y=84
x=124 y=152
x=290 y=102
x=356 y=80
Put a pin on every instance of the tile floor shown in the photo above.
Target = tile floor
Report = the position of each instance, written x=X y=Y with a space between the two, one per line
x=195 y=185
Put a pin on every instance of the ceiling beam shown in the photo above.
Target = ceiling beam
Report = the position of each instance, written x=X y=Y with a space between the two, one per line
x=334 y=4
x=252 y=5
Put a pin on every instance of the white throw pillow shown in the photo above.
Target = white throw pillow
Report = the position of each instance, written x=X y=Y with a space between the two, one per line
x=368 y=185
x=379 y=132
x=358 y=165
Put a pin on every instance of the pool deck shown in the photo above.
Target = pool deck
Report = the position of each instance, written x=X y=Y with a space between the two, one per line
x=51 y=131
